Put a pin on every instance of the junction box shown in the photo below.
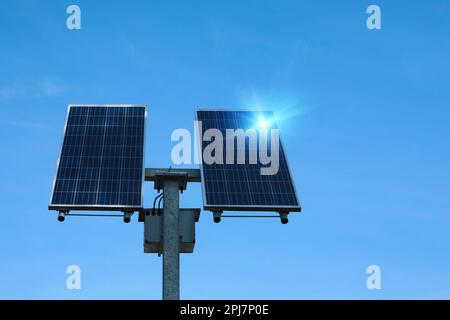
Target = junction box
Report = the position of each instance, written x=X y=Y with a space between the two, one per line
x=153 y=226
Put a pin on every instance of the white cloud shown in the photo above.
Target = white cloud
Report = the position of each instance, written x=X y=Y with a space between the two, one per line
x=44 y=87
x=8 y=92
x=52 y=88
x=33 y=125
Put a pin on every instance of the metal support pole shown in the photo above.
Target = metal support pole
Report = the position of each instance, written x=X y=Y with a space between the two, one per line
x=171 y=240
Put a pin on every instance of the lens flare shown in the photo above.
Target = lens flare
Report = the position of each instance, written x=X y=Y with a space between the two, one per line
x=263 y=123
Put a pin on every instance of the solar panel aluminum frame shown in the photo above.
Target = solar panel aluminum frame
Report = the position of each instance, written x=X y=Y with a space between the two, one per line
x=221 y=208
x=69 y=207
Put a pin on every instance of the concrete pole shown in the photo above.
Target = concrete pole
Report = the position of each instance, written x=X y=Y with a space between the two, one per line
x=171 y=240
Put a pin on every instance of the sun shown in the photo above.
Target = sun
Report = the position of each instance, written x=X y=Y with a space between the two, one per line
x=263 y=123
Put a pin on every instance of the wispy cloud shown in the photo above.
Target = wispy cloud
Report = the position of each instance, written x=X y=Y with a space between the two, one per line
x=8 y=92
x=44 y=87
x=32 y=125
x=52 y=88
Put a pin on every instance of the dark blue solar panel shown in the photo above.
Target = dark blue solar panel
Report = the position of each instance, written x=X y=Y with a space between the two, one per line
x=101 y=163
x=241 y=186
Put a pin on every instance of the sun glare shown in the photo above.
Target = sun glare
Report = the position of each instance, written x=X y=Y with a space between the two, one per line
x=263 y=123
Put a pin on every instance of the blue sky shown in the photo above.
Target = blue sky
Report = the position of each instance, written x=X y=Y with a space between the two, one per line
x=365 y=125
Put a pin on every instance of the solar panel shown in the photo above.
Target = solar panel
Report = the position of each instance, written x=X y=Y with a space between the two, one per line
x=101 y=164
x=231 y=184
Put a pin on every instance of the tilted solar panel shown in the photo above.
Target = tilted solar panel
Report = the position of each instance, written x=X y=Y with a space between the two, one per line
x=101 y=164
x=233 y=179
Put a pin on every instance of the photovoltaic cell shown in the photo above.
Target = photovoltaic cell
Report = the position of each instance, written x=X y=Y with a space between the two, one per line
x=242 y=186
x=101 y=164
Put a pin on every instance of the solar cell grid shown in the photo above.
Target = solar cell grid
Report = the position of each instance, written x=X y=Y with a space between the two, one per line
x=238 y=186
x=101 y=162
